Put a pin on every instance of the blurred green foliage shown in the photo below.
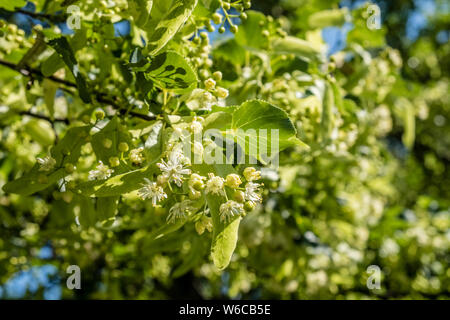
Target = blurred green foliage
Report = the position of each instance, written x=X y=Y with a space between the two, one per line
x=371 y=189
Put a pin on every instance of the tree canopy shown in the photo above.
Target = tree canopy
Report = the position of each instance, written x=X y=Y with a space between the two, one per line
x=215 y=149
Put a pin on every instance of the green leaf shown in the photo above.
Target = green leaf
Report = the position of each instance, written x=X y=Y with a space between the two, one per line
x=32 y=181
x=49 y=88
x=171 y=71
x=140 y=11
x=301 y=48
x=326 y=18
x=192 y=258
x=211 y=5
x=114 y=132
x=33 y=53
x=230 y=50
x=67 y=150
x=166 y=229
x=338 y=100
x=86 y=215
x=167 y=27
x=225 y=234
x=52 y=64
x=40 y=131
x=220 y=120
x=106 y=208
x=118 y=184
x=12 y=4
x=62 y=47
x=137 y=59
x=252 y=125
x=327 y=121
x=406 y=111
x=250 y=31
x=153 y=144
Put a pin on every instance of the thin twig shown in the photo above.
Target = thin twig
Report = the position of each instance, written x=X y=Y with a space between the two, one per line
x=27 y=72
x=40 y=116
x=101 y=97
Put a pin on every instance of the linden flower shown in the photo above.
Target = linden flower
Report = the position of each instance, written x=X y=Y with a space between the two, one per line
x=202 y=224
x=179 y=211
x=152 y=190
x=229 y=210
x=210 y=84
x=252 y=192
x=196 y=126
x=233 y=181
x=207 y=101
x=215 y=185
x=101 y=172
x=174 y=169
x=198 y=150
x=251 y=174
x=222 y=92
x=47 y=163
x=136 y=156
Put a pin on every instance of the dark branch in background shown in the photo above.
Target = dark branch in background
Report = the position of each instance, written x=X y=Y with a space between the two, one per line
x=40 y=116
x=101 y=97
x=44 y=16
x=28 y=72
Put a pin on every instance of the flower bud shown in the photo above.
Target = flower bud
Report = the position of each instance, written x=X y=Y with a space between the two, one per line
x=222 y=92
x=249 y=206
x=194 y=194
x=123 y=147
x=207 y=222
x=217 y=75
x=100 y=115
x=198 y=185
x=114 y=162
x=161 y=180
x=251 y=174
x=107 y=143
x=210 y=84
x=70 y=168
x=199 y=227
x=217 y=18
x=67 y=196
x=239 y=196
